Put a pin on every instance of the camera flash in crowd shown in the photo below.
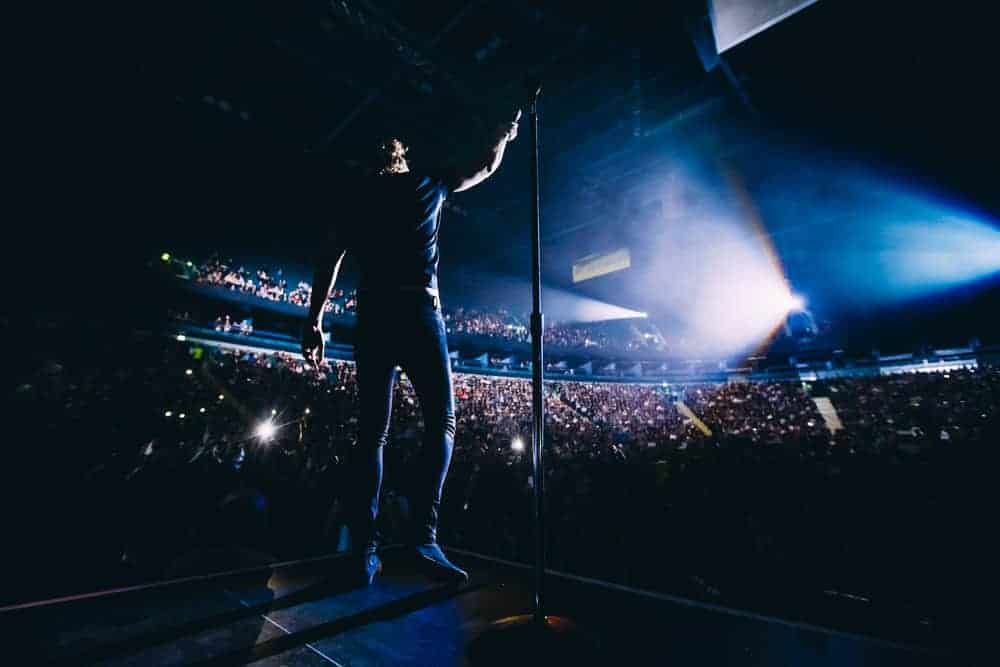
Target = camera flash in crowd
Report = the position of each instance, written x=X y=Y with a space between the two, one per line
x=517 y=445
x=265 y=430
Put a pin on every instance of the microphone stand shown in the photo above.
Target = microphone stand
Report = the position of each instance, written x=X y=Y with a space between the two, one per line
x=535 y=638
x=537 y=368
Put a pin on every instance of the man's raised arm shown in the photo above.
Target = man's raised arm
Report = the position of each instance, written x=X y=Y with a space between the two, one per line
x=486 y=166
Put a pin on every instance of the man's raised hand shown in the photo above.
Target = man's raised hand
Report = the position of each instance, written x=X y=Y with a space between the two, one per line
x=509 y=130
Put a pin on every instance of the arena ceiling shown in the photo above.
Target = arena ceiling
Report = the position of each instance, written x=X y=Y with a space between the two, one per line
x=271 y=80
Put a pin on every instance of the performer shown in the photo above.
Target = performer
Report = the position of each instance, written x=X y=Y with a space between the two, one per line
x=399 y=323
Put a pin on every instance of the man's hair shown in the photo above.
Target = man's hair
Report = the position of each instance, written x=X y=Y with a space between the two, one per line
x=391 y=153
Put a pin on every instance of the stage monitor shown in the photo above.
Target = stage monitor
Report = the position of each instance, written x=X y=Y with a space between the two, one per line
x=600 y=264
x=735 y=21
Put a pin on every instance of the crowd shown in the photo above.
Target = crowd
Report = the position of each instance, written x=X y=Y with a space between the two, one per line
x=164 y=445
x=225 y=324
x=767 y=412
x=904 y=410
x=265 y=285
x=612 y=336
x=500 y=324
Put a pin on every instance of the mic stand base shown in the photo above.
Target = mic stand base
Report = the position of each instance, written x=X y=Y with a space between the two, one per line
x=527 y=641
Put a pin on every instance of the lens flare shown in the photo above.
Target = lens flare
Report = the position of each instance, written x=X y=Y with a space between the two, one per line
x=265 y=430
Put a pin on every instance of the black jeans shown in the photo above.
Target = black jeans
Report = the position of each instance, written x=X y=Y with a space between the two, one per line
x=402 y=329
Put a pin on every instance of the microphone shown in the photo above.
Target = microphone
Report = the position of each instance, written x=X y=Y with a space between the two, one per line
x=533 y=85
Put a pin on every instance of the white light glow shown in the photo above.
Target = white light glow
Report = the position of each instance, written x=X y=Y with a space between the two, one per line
x=266 y=430
x=796 y=302
x=742 y=297
x=726 y=290
x=517 y=445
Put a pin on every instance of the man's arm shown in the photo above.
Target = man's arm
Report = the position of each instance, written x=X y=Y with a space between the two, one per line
x=324 y=278
x=486 y=166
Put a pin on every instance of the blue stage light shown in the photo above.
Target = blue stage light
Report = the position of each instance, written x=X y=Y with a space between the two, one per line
x=910 y=252
x=942 y=253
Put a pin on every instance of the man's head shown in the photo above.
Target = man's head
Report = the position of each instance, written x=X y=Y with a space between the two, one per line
x=392 y=156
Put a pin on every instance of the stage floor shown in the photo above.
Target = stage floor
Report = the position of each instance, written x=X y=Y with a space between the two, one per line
x=301 y=616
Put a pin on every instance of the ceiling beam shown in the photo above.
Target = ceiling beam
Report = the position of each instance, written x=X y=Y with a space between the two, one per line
x=362 y=15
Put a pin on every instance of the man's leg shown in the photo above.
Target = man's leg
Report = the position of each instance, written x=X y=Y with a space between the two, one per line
x=376 y=369
x=427 y=364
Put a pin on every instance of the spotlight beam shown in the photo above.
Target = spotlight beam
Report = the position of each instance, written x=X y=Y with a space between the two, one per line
x=566 y=306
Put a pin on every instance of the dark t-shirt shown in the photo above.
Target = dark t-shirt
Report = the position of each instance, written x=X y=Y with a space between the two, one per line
x=394 y=233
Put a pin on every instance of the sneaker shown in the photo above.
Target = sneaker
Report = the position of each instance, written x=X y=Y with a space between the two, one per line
x=372 y=566
x=436 y=565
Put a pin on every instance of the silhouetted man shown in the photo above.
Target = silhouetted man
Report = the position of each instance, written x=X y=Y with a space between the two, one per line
x=399 y=323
